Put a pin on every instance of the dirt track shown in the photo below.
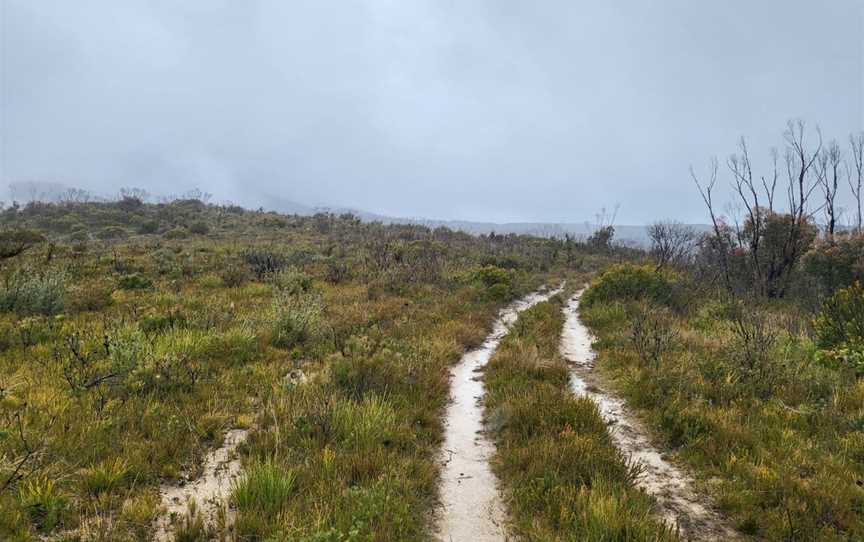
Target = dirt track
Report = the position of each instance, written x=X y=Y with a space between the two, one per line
x=677 y=500
x=471 y=507
x=210 y=490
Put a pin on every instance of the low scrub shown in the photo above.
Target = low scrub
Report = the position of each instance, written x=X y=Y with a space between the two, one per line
x=135 y=281
x=840 y=330
x=295 y=319
x=841 y=320
x=264 y=262
x=29 y=291
x=109 y=394
x=498 y=283
x=629 y=282
x=751 y=403
x=837 y=263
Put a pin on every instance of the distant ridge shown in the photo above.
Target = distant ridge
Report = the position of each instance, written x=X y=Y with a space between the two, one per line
x=627 y=234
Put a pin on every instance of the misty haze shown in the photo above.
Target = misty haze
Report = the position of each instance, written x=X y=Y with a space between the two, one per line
x=438 y=271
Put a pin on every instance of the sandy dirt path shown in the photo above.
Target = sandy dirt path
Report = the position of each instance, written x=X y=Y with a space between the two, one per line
x=678 y=502
x=210 y=490
x=471 y=507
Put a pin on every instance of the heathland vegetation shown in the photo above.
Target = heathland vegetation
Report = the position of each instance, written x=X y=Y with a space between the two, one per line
x=743 y=349
x=134 y=335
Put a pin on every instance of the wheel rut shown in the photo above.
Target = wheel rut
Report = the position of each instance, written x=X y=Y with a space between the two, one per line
x=673 y=488
x=471 y=506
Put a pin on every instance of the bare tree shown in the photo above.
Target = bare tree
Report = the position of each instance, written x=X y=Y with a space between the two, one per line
x=139 y=194
x=706 y=190
x=74 y=195
x=771 y=266
x=855 y=173
x=827 y=171
x=671 y=242
x=748 y=192
x=799 y=163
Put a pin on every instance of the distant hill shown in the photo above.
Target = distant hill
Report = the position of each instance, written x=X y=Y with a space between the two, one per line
x=627 y=234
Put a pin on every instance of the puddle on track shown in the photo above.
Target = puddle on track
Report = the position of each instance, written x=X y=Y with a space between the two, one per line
x=678 y=502
x=471 y=507
x=210 y=490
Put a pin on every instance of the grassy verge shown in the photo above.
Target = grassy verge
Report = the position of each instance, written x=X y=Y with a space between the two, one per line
x=774 y=435
x=563 y=476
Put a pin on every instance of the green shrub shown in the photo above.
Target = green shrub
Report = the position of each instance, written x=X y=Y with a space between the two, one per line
x=491 y=275
x=296 y=319
x=840 y=330
x=841 y=320
x=135 y=281
x=28 y=292
x=498 y=283
x=838 y=264
x=176 y=233
x=79 y=237
x=14 y=242
x=148 y=227
x=264 y=262
x=628 y=282
x=128 y=348
x=112 y=232
x=234 y=275
x=291 y=281
x=199 y=228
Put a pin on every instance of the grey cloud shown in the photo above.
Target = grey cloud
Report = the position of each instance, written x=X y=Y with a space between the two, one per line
x=487 y=110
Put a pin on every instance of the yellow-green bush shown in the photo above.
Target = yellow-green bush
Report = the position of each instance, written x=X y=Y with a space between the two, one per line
x=29 y=291
x=629 y=282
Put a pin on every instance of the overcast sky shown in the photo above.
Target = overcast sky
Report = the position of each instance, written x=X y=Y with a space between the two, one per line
x=473 y=109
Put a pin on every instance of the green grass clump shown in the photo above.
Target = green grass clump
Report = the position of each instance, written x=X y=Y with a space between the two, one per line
x=107 y=476
x=264 y=488
x=365 y=425
x=44 y=503
x=296 y=319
